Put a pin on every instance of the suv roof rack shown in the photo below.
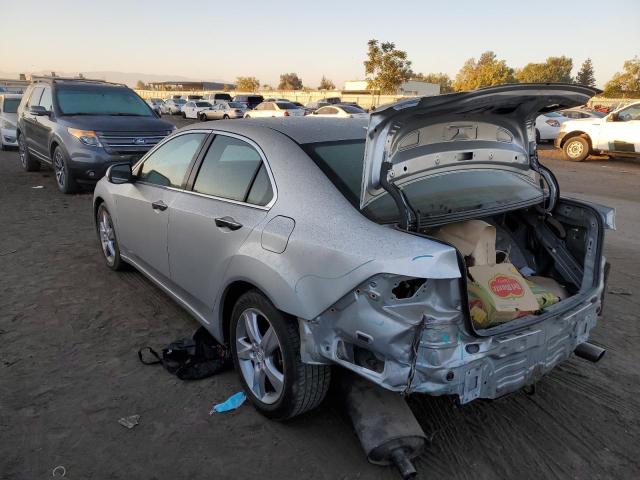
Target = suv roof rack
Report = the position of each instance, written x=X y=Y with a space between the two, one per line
x=48 y=78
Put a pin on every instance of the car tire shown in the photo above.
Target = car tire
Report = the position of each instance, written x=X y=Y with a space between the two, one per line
x=265 y=346
x=184 y=115
x=225 y=117
x=108 y=239
x=65 y=181
x=537 y=136
x=576 y=149
x=29 y=164
x=203 y=117
x=247 y=116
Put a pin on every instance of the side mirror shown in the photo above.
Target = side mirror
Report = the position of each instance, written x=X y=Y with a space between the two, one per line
x=38 y=111
x=120 y=173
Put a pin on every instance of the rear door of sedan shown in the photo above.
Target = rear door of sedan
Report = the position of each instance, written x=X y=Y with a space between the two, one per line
x=231 y=191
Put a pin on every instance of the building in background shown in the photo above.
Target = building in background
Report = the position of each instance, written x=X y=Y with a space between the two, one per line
x=194 y=86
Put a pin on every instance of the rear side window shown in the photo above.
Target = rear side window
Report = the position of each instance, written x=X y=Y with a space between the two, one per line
x=168 y=165
x=45 y=100
x=233 y=169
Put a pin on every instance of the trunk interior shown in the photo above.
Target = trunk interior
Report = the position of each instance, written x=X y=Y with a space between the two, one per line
x=558 y=256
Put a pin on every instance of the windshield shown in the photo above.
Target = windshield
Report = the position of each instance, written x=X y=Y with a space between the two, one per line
x=236 y=105
x=434 y=196
x=203 y=104
x=101 y=101
x=10 y=105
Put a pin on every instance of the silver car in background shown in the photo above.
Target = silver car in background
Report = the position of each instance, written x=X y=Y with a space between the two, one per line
x=9 y=103
x=223 y=111
x=304 y=243
x=173 y=106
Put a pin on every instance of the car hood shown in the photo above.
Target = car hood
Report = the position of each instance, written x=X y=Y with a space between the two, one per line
x=492 y=126
x=114 y=123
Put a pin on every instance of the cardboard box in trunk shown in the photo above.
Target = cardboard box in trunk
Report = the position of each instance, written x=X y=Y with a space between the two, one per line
x=502 y=292
x=474 y=238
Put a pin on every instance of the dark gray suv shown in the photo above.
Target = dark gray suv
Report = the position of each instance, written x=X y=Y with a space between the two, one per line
x=81 y=127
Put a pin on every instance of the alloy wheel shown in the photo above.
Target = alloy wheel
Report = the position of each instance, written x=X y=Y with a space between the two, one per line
x=260 y=356
x=58 y=167
x=22 y=150
x=107 y=236
x=575 y=149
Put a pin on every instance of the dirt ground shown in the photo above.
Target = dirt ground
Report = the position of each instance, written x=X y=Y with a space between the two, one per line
x=70 y=330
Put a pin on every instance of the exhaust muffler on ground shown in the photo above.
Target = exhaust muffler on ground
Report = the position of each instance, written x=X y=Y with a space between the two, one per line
x=590 y=352
x=387 y=429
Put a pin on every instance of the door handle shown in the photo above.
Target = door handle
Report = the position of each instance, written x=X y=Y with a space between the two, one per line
x=159 y=205
x=228 y=222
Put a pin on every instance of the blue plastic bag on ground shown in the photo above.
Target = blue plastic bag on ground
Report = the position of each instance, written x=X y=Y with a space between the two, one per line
x=231 y=403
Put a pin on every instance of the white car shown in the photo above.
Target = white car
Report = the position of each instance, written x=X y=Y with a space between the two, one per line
x=193 y=108
x=223 y=111
x=275 y=109
x=8 y=118
x=341 y=111
x=576 y=113
x=618 y=133
x=548 y=125
x=173 y=106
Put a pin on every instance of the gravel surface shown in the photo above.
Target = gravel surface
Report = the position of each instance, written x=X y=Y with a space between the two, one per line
x=70 y=329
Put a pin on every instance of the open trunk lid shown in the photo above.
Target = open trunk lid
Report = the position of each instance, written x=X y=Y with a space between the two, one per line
x=488 y=130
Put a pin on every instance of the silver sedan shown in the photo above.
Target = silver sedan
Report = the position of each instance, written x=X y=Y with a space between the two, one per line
x=308 y=242
x=223 y=111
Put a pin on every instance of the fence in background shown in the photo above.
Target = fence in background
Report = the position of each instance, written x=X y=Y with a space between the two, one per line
x=364 y=100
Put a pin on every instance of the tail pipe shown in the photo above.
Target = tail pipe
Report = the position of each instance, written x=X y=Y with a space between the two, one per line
x=589 y=351
x=384 y=423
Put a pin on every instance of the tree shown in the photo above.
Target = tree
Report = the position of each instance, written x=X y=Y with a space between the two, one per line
x=486 y=71
x=290 y=81
x=326 y=84
x=442 y=79
x=386 y=67
x=226 y=88
x=247 y=84
x=586 y=74
x=625 y=84
x=140 y=85
x=554 y=70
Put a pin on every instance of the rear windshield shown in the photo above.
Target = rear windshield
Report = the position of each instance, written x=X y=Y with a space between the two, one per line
x=203 y=104
x=286 y=105
x=222 y=96
x=458 y=192
x=10 y=105
x=101 y=101
x=351 y=109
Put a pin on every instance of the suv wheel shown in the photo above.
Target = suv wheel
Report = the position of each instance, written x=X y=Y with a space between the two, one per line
x=265 y=345
x=66 y=183
x=576 y=149
x=108 y=240
x=28 y=163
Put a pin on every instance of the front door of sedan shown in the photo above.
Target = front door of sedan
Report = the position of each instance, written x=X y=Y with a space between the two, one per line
x=230 y=197
x=143 y=207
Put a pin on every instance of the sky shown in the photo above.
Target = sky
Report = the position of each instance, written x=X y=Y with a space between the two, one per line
x=211 y=40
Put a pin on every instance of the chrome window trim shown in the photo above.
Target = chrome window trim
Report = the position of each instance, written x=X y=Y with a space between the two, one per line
x=274 y=188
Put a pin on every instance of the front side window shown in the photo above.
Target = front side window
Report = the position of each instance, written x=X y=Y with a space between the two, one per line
x=34 y=99
x=233 y=169
x=97 y=100
x=168 y=165
x=45 y=100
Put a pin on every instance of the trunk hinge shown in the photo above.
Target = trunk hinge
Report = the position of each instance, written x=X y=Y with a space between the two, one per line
x=408 y=217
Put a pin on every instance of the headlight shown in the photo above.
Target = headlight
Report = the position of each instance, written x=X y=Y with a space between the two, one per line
x=8 y=124
x=552 y=123
x=88 y=137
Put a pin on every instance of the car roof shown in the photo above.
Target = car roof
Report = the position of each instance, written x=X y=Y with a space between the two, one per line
x=300 y=129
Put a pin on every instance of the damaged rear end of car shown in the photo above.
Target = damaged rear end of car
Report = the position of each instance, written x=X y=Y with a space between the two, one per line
x=433 y=162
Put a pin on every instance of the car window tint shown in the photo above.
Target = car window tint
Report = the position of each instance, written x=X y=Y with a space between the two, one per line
x=261 y=192
x=45 y=100
x=228 y=169
x=168 y=165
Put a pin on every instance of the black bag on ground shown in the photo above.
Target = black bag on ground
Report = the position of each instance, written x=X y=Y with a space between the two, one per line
x=192 y=358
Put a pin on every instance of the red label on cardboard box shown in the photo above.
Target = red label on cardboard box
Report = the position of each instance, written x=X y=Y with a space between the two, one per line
x=506 y=287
